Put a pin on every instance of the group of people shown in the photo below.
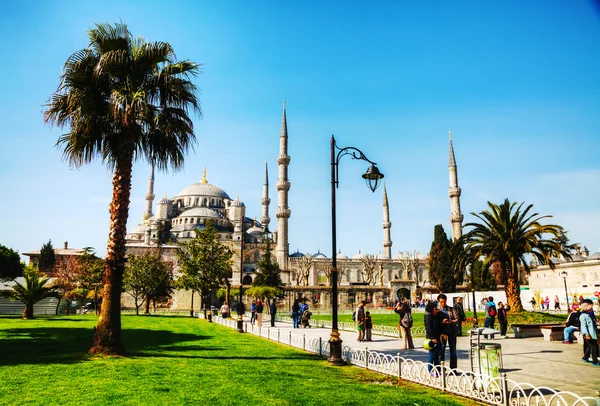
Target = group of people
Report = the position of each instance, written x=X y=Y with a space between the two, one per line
x=493 y=312
x=257 y=308
x=583 y=319
x=364 y=322
x=300 y=314
x=441 y=329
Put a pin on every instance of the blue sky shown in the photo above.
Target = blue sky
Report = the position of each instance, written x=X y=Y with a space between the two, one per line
x=516 y=82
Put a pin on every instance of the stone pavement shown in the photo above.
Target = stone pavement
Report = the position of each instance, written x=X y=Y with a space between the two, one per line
x=526 y=360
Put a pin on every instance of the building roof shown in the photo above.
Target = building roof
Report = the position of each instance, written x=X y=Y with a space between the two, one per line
x=200 y=212
x=58 y=251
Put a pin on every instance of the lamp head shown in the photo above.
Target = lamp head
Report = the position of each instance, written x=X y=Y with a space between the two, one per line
x=373 y=177
x=564 y=274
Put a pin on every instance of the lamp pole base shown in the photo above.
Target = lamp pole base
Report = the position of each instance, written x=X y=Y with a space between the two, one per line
x=240 y=325
x=335 y=349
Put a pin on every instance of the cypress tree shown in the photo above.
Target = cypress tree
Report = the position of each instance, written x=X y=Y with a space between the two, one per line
x=47 y=257
x=440 y=261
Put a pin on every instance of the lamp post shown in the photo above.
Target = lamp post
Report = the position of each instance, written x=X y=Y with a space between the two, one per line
x=564 y=275
x=240 y=306
x=372 y=178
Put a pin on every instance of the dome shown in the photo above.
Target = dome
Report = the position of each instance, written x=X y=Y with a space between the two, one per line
x=200 y=212
x=341 y=256
x=594 y=256
x=255 y=230
x=359 y=256
x=139 y=229
x=319 y=254
x=203 y=189
x=297 y=254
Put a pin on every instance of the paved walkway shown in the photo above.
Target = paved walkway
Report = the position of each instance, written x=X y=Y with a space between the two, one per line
x=531 y=360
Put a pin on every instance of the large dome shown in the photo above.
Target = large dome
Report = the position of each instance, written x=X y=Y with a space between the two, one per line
x=203 y=189
x=200 y=212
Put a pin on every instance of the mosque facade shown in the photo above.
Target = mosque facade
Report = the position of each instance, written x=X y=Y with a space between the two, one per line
x=377 y=278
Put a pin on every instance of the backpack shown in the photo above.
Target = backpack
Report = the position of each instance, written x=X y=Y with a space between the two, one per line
x=573 y=319
x=492 y=311
x=407 y=320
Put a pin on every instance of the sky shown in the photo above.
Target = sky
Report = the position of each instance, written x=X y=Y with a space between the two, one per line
x=516 y=82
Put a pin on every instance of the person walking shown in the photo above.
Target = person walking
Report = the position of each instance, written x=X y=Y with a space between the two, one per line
x=589 y=333
x=433 y=332
x=460 y=311
x=295 y=313
x=273 y=311
x=556 y=302
x=449 y=325
x=359 y=319
x=405 y=325
x=547 y=303
x=502 y=319
x=572 y=325
x=259 y=313
x=225 y=310
x=490 y=314
x=368 y=327
x=253 y=309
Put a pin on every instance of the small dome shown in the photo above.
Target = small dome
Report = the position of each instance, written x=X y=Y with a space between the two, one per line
x=254 y=230
x=319 y=254
x=200 y=212
x=341 y=256
x=594 y=256
x=164 y=200
x=297 y=254
x=139 y=229
x=359 y=256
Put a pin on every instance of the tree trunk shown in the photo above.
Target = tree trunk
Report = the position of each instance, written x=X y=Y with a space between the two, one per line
x=137 y=313
x=96 y=300
x=58 y=304
x=107 y=336
x=208 y=304
x=147 y=309
x=512 y=289
x=28 y=312
x=192 y=305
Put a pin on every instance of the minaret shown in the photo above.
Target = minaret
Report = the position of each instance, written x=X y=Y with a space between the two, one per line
x=265 y=219
x=283 y=187
x=456 y=216
x=387 y=226
x=149 y=195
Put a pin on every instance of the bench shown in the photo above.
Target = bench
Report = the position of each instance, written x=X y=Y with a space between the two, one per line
x=530 y=330
x=553 y=333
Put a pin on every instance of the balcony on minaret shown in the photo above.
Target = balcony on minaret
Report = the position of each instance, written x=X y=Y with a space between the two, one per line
x=265 y=201
x=283 y=159
x=283 y=185
x=282 y=212
x=387 y=224
x=454 y=191
x=387 y=244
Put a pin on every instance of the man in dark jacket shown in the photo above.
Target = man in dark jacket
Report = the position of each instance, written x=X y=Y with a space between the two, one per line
x=433 y=332
x=573 y=325
x=449 y=320
x=460 y=311
x=273 y=310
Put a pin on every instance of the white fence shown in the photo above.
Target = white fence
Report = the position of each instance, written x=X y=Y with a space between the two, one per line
x=481 y=387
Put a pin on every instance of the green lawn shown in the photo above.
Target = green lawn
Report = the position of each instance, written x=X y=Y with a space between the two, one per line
x=178 y=360
x=392 y=319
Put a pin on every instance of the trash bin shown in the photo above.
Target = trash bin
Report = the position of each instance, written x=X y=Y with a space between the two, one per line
x=487 y=362
x=214 y=311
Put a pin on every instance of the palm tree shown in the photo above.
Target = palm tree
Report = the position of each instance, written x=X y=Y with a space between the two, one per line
x=123 y=99
x=506 y=235
x=34 y=289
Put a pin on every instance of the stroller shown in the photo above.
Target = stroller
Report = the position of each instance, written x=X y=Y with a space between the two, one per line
x=305 y=319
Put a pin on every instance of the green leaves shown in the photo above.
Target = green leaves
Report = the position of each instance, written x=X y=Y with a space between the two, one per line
x=34 y=289
x=147 y=276
x=10 y=263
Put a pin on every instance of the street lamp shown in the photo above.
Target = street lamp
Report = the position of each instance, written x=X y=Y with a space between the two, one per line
x=372 y=177
x=240 y=305
x=564 y=275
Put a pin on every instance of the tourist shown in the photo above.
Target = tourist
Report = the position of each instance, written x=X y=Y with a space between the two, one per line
x=556 y=302
x=433 y=333
x=458 y=307
x=405 y=325
x=368 y=327
x=273 y=311
x=225 y=310
x=449 y=325
x=547 y=303
x=533 y=303
x=490 y=314
x=253 y=309
x=572 y=325
x=295 y=313
x=502 y=319
x=359 y=319
x=588 y=332
x=259 y=313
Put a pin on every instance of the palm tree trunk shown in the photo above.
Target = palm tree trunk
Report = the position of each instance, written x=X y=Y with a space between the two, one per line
x=107 y=336
x=28 y=312
x=512 y=289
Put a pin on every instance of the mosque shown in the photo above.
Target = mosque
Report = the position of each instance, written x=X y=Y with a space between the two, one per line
x=375 y=278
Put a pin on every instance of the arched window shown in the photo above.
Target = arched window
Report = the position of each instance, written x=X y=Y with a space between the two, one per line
x=247 y=280
x=204 y=201
x=212 y=202
x=186 y=220
x=197 y=201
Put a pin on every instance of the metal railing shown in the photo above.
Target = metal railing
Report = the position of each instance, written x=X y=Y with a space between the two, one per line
x=499 y=390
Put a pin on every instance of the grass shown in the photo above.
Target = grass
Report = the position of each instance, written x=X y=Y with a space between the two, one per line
x=392 y=319
x=178 y=360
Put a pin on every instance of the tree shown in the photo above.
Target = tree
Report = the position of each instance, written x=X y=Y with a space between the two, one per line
x=90 y=273
x=369 y=263
x=47 y=257
x=205 y=263
x=268 y=273
x=265 y=293
x=441 y=272
x=303 y=266
x=10 y=264
x=123 y=99
x=64 y=280
x=147 y=277
x=507 y=234
x=482 y=279
x=35 y=288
